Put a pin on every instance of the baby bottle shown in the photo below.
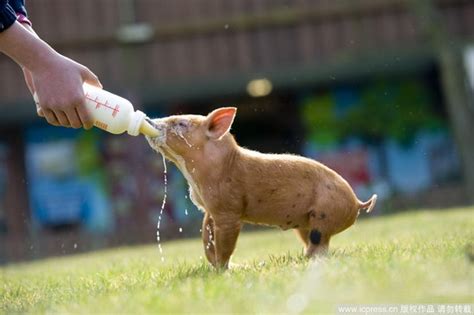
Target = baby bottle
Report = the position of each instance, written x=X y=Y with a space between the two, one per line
x=114 y=114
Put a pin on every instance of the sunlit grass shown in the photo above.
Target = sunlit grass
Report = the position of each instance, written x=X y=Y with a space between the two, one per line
x=414 y=257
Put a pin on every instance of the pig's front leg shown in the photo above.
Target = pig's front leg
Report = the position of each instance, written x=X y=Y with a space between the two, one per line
x=226 y=234
x=208 y=238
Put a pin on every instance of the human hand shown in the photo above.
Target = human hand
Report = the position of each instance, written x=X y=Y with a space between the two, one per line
x=58 y=85
x=56 y=80
x=58 y=113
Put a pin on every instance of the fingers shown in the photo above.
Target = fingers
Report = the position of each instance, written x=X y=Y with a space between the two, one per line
x=70 y=119
x=51 y=117
x=73 y=115
x=74 y=119
x=39 y=111
x=85 y=117
x=62 y=118
x=90 y=78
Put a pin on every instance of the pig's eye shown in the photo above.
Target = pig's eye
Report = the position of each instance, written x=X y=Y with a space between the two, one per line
x=182 y=124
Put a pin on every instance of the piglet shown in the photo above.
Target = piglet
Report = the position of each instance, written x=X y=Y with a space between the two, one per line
x=233 y=185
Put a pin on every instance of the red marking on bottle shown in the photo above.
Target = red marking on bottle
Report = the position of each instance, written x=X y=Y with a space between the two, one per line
x=116 y=110
x=99 y=104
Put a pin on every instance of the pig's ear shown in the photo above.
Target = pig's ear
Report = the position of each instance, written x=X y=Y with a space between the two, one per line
x=219 y=122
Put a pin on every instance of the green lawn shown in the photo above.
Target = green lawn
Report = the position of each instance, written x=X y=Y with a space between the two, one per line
x=412 y=257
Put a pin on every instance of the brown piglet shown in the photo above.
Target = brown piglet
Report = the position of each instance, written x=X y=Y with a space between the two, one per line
x=233 y=185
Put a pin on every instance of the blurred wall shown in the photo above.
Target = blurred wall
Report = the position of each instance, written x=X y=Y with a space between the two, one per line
x=333 y=65
x=198 y=47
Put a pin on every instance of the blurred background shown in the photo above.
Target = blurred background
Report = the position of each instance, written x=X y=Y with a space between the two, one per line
x=381 y=91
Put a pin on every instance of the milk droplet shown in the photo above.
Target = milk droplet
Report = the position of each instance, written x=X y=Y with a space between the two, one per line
x=158 y=224
x=75 y=245
x=185 y=211
x=180 y=230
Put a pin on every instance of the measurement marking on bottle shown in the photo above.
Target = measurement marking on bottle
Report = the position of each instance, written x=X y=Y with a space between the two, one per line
x=115 y=109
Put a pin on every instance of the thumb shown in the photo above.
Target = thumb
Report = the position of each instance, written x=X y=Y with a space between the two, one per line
x=39 y=111
x=90 y=78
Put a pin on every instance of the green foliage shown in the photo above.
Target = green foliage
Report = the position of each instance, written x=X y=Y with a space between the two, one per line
x=392 y=109
x=87 y=152
x=386 y=109
x=412 y=257
x=320 y=119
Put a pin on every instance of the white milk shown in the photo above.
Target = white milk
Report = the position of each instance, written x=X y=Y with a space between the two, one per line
x=158 y=238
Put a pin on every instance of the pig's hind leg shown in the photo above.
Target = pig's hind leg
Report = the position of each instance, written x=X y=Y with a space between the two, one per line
x=318 y=236
x=208 y=237
x=318 y=244
x=315 y=243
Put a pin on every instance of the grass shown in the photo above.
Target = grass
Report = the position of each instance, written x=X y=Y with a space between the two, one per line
x=412 y=257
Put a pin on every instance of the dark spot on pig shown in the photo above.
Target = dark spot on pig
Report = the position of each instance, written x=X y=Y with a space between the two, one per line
x=296 y=226
x=312 y=214
x=298 y=195
x=315 y=237
x=322 y=216
x=287 y=215
x=259 y=200
x=293 y=206
x=328 y=187
x=273 y=191
x=245 y=201
x=288 y=223
x=228 y=179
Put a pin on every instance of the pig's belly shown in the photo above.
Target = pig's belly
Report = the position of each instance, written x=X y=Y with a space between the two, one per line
x=279 y=217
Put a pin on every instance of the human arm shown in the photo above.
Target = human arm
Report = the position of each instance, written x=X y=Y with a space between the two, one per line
x=56 y=79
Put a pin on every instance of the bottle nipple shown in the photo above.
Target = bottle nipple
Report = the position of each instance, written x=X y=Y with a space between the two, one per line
x=148 y=130
x=138 y=124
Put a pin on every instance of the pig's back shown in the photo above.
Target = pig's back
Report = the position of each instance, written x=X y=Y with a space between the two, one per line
x=275 y=183
x=283 y=167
